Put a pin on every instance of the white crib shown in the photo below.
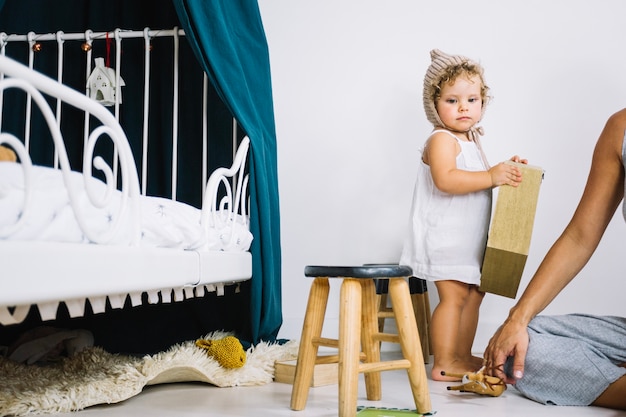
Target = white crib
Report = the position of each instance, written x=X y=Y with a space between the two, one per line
x=106 y=240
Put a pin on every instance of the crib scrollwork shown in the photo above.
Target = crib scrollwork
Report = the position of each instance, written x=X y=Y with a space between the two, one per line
x=26 y=166
x=124 y=225
x=225 y=207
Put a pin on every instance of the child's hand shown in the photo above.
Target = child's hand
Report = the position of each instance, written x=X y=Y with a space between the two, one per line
x=516 y=158
x=508 y=174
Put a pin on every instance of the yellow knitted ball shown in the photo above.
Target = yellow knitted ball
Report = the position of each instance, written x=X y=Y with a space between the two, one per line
x=228 y=351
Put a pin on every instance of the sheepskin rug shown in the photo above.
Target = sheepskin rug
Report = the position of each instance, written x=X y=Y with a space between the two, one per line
x=95 y=376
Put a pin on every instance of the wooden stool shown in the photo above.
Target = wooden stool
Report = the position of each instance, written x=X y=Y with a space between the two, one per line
x=359 y=338
x=421 y=307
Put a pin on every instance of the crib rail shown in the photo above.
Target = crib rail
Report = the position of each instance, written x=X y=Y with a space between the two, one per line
x=223 y=212
x=34 y=44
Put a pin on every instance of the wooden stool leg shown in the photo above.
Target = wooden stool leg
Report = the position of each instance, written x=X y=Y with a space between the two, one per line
x=421 y=317
x=382 y=307
x=410 y=343
x=421 y=305
x=428 y=317
x=307 y=353
x=349 y=345
x=371 y=347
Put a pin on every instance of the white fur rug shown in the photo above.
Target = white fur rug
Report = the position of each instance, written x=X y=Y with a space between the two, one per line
x=95 y=376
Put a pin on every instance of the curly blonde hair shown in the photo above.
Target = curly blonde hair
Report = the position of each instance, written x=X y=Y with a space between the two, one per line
x=464 y=69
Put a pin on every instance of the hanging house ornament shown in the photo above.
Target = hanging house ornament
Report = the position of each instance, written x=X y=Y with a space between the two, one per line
x=102 y=84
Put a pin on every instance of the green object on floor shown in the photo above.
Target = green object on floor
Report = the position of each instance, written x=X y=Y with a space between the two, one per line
x=387 y=412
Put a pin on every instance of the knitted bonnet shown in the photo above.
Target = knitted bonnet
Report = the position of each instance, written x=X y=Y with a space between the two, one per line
x=439 y=62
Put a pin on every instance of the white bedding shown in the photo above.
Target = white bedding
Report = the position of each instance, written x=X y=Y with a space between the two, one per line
x=50 y=217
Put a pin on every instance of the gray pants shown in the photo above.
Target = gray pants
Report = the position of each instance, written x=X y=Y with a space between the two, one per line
x=572 y=359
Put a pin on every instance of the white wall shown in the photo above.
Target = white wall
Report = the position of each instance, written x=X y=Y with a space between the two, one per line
x=347 y=79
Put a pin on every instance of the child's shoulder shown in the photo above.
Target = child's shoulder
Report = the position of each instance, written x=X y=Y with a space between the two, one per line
x=443 y=140
x=441 y=133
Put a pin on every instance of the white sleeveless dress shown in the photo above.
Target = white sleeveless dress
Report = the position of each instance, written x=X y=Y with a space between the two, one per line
x=447 y=233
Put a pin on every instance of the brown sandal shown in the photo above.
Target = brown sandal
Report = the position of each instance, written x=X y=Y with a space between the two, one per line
x=479 y=383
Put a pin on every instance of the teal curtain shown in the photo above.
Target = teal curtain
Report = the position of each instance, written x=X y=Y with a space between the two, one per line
x=228 y=39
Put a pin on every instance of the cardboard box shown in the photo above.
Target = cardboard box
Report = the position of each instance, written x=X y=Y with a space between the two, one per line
x=323 y=374
x=510 y=232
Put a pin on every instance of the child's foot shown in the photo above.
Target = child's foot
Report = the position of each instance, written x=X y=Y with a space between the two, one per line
x=456 y=368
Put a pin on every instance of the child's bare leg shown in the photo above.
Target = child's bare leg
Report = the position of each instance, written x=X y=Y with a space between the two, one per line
x=445 y=330
x=468 y=326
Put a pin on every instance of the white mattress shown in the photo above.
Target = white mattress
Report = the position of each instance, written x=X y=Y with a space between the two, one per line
x=49 y=216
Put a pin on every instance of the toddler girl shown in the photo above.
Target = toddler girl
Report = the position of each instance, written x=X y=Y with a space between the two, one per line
x=451 y=207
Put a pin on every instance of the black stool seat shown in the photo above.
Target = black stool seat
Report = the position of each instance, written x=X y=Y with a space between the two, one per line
x=416 y=285
x=361 y=271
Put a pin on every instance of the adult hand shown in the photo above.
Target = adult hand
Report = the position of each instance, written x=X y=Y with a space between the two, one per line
x=511 y=340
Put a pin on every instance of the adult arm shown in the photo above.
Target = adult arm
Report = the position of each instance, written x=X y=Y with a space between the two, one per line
x=569 y=254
